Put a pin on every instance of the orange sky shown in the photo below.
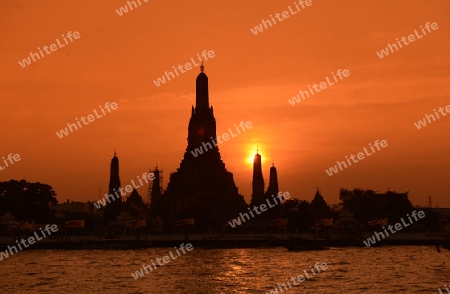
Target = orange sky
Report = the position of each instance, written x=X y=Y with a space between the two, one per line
x=251 y=77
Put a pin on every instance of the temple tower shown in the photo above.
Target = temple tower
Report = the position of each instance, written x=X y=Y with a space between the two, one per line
x=114 y=207
x=273 y=182
x=257 y=182
x=114 y=179
x=202 y=188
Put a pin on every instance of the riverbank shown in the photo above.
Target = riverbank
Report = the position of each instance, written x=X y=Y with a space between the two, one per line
x=216 y=241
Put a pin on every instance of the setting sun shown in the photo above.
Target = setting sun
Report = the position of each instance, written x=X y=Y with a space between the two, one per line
x=252 y=152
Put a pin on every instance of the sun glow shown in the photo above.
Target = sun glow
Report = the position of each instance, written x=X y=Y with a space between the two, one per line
x=251 y=157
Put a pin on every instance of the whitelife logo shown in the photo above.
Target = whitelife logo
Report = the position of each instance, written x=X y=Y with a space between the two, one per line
x=31 y=240
x=411 y=38
x=398 y=227
x=360 y=155
x=300 y=278
x=423 y=123
x=122 y=10
x=170 y=75
x=284 y=14
x=11 y=158
x=237 y=221
x=25 y=62
x=128 y=189
x=90 y=118
x=165 y=259
x=198 y=151
x=296 y=99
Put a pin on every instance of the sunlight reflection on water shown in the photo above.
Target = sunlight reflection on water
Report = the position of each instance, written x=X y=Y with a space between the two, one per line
x=350 y=270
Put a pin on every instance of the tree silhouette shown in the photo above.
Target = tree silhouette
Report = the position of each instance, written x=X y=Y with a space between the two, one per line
x=27 y=201
x=299 y=214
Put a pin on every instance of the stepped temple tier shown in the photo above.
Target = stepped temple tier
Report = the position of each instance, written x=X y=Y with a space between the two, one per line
x=202 y=188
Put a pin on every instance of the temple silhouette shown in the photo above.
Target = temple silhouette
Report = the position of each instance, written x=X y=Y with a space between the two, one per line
x=258 y=195
x=202 y=195
x=201 y=188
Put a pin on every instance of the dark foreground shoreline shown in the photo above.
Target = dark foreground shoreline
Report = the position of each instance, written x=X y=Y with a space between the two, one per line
x=212 y=242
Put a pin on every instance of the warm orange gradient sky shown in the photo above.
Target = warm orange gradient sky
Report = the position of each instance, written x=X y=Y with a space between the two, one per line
x=251 y=77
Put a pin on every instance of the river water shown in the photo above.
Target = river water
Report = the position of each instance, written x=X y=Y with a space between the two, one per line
x=350 y=270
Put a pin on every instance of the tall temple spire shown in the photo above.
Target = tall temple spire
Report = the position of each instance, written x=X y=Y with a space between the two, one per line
x=272 y=191
x=202 y=95
x=113 y=209
x=114 y=179
x=273 y=182
x=258 y=181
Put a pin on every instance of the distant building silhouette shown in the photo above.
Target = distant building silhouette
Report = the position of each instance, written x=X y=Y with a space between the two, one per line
x=157 y=202
x=136 y=207
x=113 y=208
x=74 y=210
x=135 y=199
x=319 y=206
x=202 y=188
x=368 y=204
